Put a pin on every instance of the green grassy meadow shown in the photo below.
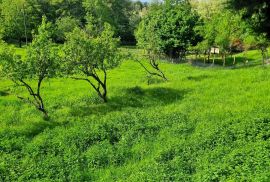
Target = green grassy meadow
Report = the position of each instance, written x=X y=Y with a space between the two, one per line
x=204 y=124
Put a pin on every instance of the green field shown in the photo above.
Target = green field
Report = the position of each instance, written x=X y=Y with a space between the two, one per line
x=204 y=124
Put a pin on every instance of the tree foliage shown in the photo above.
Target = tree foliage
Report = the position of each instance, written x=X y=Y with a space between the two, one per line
x=207 y=9
x=229 y=29
x=118 y=13
x=13 y=15
x=255 y=12
x=168 y=28
x=65 y=25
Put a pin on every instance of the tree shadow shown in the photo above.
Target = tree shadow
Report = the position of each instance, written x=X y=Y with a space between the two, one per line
x=153 y=80
x=4 y=93
x=135 y=97
x=36 y=128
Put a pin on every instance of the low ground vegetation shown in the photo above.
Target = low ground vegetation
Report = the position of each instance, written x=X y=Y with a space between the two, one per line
x=205 y=124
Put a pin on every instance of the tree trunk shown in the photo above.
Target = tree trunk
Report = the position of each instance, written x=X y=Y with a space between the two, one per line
x=20 y=42
x=171 y=53
x=208 y=58
x=41 y=103
x=245 y=57
x=25 y=28
x=224 y=59
x=45 y=113
x=104 y=94
x=104 y=98
x=38 y=101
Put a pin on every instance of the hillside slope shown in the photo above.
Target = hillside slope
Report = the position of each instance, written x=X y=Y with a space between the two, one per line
x=205 y=124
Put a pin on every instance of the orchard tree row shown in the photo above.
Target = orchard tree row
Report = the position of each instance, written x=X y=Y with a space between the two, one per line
x=86 y=55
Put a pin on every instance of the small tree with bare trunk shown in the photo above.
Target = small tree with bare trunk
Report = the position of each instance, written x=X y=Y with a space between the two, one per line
x=40 y=63
x=88 y=57
x=148 y=40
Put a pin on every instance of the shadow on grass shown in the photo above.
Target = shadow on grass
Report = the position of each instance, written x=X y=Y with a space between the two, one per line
x=198 y=78
x=27 y=131
x=3 y=93
x=152 y=80
x=135 y=97
x=35 y=129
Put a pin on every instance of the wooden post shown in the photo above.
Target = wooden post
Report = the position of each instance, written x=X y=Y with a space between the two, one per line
x=266 y=56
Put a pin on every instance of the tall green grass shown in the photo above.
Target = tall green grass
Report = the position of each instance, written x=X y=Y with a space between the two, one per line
x=204 y=124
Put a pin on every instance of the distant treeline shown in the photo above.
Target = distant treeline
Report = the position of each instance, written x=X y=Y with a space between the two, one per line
x=170 y=27
x=19 y=18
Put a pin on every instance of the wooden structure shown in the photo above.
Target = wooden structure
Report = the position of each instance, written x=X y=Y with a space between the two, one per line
x=214 y=50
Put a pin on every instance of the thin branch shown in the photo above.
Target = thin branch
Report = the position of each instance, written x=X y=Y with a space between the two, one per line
x=152 y=73
x=28 y=101
x=87 y=80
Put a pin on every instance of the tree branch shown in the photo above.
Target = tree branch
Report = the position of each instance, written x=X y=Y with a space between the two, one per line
x=152 y=73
